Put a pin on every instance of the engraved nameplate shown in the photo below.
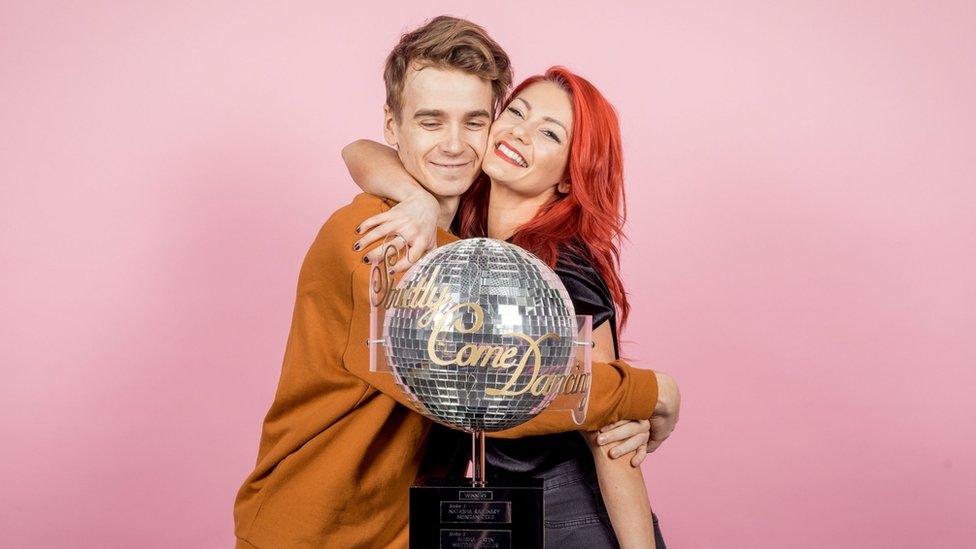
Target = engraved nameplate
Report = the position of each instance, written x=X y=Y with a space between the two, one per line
x=478 y=512
x=476 y=539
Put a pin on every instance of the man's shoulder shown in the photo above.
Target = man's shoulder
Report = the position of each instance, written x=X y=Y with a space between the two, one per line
x=363 y=205
x=332 y=248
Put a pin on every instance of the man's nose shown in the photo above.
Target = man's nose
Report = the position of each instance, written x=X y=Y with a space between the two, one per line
x=452 y=143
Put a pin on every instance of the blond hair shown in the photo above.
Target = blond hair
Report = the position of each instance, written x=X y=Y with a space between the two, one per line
x=448 y=43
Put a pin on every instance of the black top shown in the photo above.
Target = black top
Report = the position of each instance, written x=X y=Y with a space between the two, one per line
x=535 y=455
x=449 y=450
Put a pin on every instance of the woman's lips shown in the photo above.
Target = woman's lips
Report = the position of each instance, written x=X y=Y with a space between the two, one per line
x=505 y=151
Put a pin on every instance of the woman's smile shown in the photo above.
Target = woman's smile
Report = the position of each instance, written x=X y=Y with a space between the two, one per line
x=508 y=153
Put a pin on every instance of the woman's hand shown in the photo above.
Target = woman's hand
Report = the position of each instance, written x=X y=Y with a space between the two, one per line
x=626 y=437
x=411 y=227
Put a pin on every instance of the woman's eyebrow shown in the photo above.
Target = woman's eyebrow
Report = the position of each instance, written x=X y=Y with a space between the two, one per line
x=556 y=122
x=526 y=103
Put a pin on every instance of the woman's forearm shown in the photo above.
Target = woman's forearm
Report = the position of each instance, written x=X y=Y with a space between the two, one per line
x=621 y=484
x=625 y=497
x=376 y=168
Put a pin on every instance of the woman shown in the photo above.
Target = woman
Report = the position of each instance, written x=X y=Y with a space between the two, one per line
x=553 y=185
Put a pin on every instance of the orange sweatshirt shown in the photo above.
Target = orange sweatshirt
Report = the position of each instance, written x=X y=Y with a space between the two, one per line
x=340 y=445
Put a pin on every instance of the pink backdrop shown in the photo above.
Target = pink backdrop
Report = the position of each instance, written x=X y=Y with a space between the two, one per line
x=802 y=251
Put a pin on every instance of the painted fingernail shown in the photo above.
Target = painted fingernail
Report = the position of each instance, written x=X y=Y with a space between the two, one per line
x=359 y=230
x=365 y=259
x=356 y=246
x=391 y=271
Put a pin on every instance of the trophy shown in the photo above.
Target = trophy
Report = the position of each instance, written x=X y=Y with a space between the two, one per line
x=482 y=337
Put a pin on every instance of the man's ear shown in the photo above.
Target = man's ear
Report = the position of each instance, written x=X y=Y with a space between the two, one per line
x=389 y=126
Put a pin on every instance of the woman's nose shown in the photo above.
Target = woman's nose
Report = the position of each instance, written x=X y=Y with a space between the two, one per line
x=520 y=133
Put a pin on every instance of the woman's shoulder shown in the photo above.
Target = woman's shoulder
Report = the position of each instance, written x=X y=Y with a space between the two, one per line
x=585 y=285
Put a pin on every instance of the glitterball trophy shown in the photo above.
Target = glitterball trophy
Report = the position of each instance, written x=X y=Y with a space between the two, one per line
x=482 y=336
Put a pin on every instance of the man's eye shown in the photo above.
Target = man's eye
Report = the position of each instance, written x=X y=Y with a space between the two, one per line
x=430 y=125
x=516 y=112
x=476 y=125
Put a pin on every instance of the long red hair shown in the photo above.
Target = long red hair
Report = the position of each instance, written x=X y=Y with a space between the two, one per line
x=589 y=218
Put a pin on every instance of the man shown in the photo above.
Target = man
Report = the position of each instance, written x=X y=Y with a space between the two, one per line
x=340 y=445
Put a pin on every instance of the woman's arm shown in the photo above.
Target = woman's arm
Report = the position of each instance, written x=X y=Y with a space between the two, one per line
x=621 y=482
x=377 y=170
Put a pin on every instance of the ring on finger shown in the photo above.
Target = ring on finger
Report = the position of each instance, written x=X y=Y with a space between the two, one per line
x=406 y=246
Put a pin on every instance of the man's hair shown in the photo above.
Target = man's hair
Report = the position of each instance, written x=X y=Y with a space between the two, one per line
x=447 y=43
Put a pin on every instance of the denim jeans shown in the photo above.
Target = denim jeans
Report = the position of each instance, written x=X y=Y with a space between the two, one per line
x=574 y=511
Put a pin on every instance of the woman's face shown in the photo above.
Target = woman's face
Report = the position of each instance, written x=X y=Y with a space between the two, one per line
x=529 y=142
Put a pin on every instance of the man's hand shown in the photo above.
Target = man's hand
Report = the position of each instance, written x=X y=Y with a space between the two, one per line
x=627 y=437
x=665 y=415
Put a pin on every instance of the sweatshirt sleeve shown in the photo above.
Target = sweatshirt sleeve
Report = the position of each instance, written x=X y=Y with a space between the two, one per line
x=617 y=391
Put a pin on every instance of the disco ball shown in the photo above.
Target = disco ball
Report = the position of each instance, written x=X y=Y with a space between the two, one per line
x=478 y=333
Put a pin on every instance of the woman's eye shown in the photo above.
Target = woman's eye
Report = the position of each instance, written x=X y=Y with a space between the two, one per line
x=551 y=135
x=515 y=111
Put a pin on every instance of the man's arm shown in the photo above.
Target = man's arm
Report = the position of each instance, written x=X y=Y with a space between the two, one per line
x=617 y=391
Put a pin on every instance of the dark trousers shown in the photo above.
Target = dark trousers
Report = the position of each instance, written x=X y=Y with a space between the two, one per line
x=574 y=511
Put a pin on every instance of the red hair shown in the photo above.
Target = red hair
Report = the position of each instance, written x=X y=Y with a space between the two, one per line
x=589 y=218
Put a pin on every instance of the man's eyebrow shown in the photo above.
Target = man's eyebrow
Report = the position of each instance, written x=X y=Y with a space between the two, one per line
x=423 y=113
x=482 y=113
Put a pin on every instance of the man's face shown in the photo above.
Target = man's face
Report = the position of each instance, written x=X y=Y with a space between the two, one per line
x=443 y=128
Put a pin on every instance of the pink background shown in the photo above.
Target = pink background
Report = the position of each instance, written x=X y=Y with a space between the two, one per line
x=802 y=251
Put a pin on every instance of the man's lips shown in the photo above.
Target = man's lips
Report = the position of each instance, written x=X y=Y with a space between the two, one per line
x=451 y=166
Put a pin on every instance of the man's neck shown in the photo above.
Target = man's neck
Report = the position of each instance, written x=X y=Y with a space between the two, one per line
x=507 y=210
x=449 y=206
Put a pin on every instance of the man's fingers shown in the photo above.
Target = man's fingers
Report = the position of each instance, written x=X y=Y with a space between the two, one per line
x=628 y=446
x=639 y=456
x=613 y=425
x=624 y=431
x=656 y=441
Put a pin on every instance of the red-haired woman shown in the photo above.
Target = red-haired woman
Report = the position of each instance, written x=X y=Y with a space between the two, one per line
x=552 y=184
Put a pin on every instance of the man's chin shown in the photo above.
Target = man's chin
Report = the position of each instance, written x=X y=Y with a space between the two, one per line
x=446 y=188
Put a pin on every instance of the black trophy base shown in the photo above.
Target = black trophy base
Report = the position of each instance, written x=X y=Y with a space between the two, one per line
x=452 y=514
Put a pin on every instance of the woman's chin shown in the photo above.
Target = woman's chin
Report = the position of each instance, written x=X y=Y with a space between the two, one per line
x=498 y=173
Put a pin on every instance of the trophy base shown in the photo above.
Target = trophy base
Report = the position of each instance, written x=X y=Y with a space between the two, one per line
x=453 y=514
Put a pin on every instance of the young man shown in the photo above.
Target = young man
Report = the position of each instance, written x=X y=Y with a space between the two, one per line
x=340 y=445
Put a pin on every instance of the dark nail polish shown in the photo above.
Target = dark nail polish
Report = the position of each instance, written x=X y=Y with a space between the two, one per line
x=365 y=259
x=358 y=230
x=356 y=246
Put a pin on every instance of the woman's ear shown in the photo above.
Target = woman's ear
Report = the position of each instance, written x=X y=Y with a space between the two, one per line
x=563 y=187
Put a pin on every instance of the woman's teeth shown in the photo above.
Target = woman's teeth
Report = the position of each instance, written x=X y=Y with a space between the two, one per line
x=513 y=155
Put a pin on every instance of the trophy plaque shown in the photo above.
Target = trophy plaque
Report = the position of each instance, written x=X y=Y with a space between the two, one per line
x=482 y=337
